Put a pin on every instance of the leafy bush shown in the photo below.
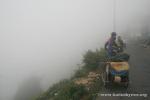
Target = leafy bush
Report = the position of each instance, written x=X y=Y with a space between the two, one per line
x=80 y=73
x=71 y=91
x=64 y=90
x=92 y=58
x=53 y=90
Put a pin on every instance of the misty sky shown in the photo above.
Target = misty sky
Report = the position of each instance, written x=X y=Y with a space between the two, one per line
x=47 y=38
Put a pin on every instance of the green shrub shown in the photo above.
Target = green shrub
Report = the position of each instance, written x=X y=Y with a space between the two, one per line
x=92 y=58
x=71 y=91
x=65 y=90
x=80 y=73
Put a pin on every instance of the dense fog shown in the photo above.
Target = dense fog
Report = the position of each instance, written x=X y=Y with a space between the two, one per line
x=44 y=40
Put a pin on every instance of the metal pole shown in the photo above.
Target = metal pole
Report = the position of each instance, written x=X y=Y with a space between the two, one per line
x=114 y=15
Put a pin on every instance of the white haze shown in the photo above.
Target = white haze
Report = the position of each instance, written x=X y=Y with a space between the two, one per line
x=47 y=38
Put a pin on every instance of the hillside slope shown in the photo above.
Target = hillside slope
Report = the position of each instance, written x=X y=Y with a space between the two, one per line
x=83 y=85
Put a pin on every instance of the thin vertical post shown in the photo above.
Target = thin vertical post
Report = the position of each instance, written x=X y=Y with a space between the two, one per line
x=114 y=15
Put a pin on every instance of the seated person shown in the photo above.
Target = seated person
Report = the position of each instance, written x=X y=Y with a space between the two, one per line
x=120 y=44
x=110 y=45
x=113 y=50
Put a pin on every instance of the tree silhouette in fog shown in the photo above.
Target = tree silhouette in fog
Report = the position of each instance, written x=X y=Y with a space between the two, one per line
x=29 y=89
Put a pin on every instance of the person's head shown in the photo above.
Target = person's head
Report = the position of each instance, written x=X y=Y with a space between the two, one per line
x=113 y=35
x=119 y=38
